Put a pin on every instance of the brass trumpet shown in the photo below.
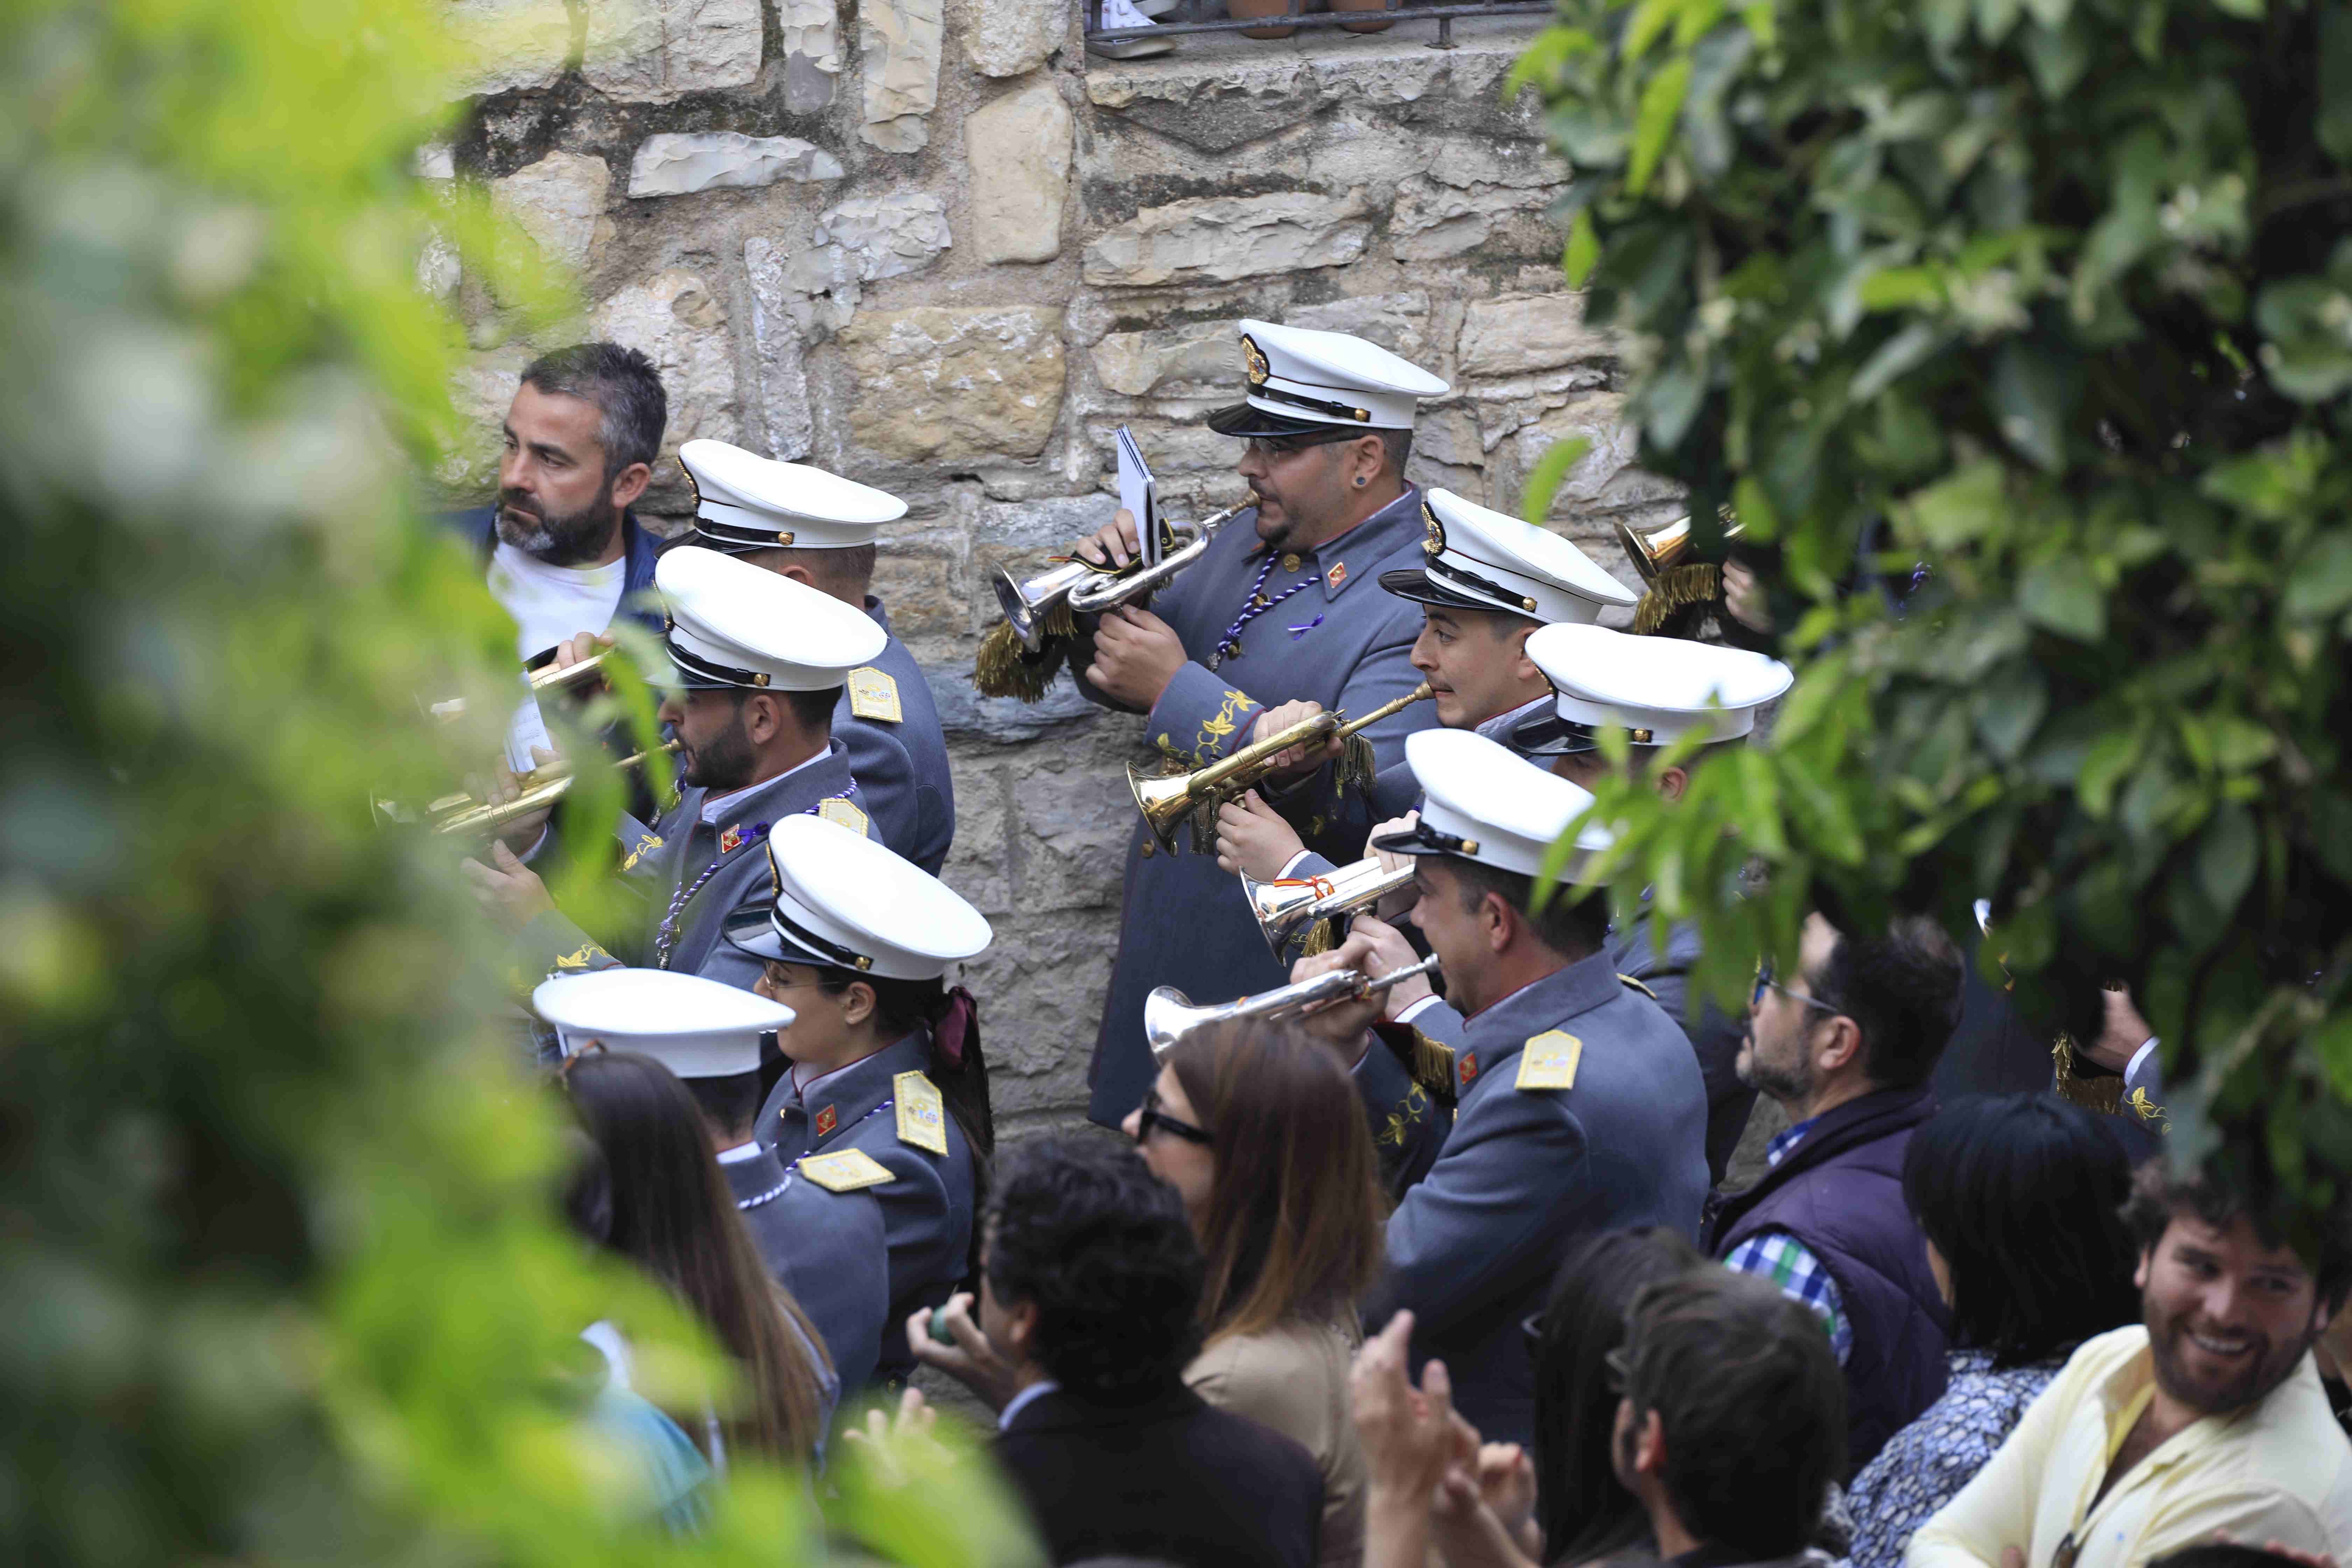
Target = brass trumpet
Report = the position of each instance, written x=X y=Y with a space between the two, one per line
x=547 y=678
x=1167 y=800
x=1084 y=589
x=1168 y=1014
x=1658 y=550
x=460 y=814
x=1286 y=907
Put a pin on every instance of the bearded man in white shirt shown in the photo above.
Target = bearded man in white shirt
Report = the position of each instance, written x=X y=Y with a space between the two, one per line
x=2208 y=1420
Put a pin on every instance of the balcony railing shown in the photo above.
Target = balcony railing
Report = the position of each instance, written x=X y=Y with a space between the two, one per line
x=1197 y=17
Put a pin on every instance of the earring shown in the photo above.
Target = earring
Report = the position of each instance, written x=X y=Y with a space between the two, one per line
x=1359 y=482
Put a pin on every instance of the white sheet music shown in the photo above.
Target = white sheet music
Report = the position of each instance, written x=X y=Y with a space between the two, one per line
x=1137 y=495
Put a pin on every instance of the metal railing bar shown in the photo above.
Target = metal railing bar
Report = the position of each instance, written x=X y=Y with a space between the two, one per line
x=1316 y=19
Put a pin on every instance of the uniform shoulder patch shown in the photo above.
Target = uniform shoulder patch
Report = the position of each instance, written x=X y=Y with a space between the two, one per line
x=1548 y=1061
x=839 y=809
x=845 y=1170
x=923 y=1115
x=873 y=694
x=1629 y=982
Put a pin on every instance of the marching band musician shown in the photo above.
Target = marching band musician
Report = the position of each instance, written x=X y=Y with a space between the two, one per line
x=1659 y=689
x=1488 y=583
x=1275 y=611
x=1578 y=1105
x=760 y=663
x=819 y=529
x=886 y=1092
x=825 y=1248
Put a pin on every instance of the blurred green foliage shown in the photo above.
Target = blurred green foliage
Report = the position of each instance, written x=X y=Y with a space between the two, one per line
x=279 y=1262
x=2054 y=296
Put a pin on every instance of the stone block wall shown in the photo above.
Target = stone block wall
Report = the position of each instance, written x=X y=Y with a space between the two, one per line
x=936 y=246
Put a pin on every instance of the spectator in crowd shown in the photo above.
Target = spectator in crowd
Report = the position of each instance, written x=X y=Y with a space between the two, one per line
x=670 y=1212
x=1845 y=1047
x=1729 y=1433
x=1090 y=1303
x=2020 y=1197
x=1261 y=1135
x=665 y=1477
x=1583 y=1514
x=2206 y=1418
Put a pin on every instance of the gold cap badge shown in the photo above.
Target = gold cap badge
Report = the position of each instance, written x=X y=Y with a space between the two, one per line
x=1254 y=358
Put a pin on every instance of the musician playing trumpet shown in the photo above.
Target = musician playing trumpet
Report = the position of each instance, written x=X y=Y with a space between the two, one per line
x=1577 y=1107
x=1484 y=583
x=1277 y=609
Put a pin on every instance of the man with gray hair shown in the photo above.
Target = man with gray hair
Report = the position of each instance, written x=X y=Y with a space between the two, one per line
x=562 y=549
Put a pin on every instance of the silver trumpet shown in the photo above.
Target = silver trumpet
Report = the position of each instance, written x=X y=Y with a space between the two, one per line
x=1168 y=1014
x=1288 y=907
x=1085 y=589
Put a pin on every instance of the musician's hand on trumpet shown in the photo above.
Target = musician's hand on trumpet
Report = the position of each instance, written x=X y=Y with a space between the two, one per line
x=582 y=647
x=1295 y=762
x=1254 y=840
x=1390 y=953
x=509 y=891
x=1136 y=654
x=1112 y=545
x=1342 y=1023
x=523 y=832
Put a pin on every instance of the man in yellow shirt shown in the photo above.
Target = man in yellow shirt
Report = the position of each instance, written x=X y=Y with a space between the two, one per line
x=2208 y=1420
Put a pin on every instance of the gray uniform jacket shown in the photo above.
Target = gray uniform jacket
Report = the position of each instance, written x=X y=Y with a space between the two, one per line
x=1394 y=792
x=898 y=752
x=1524 y=1172
x=1715 y=1035
x=670 y=858
x=1336 y=639
x=824 y=1247
x=927 y=1204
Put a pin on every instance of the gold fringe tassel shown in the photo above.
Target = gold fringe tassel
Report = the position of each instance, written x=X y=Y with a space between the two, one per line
x=1677 y=588
x=1003 y=667
x=1317 y=940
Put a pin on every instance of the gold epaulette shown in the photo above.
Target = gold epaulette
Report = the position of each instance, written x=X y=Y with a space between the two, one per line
x=923 y=1115
x=873 y=694
x=845 y=1170
x=1548 y=1060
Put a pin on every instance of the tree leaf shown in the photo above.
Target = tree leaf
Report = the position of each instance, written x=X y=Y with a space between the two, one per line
x=1653 y=123
x=2321 y=584
x=1583 y=249
x=2333 y=129
x=2058 y=595
x=2028 y=396
x=2225 y=856
x=1963 y=508
x=1545 y=479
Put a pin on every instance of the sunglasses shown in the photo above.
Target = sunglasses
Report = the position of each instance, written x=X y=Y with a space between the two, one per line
x=1764 y=983
x=1151 y=1118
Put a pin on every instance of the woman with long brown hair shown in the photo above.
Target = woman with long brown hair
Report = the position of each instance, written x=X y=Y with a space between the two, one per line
x=667 y=1208
x=1260 y=1131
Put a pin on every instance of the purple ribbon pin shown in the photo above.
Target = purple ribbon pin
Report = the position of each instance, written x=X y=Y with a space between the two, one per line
x=1298 y=632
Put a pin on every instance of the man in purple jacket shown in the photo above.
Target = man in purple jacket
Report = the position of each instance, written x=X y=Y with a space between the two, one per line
x=1845 y=1045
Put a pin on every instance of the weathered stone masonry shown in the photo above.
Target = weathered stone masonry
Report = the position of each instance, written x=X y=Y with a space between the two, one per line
x=941 y=250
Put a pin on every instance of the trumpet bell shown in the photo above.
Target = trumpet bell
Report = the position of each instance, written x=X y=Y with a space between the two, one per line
x=1028 y=605
x=1286 y=907
x=1657 y=550
x=1165 y=800
x=1168 y=1015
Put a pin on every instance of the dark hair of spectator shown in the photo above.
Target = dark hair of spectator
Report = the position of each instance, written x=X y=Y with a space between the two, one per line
x=1736 y=1371
x=2160 y=1195
x=1574 y=924
x=1903 y=990
x=666 y=1207
x=2023 y=1195
x=625 y=388
x=730 y=1104
x=1584 y=1512
x=1294 y=1220
x=1080 y=1228
x=2227 y=1554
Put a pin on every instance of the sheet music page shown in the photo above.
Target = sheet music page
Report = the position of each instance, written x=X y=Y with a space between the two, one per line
x=1136 y=495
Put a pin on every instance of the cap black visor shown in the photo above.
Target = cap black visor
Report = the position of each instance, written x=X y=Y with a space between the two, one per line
x=1413 y=582
x=1246 y=419
x=1422 y=839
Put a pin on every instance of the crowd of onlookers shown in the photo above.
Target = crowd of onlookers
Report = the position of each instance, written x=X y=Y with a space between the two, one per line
x=2125 y=1366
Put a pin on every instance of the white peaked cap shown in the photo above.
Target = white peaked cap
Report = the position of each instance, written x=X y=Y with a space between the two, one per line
x=1300 y=378
x=695 y=1027
x=1483 y=559
x=846 y=901
x=1483 y=802
x=745 y=501
x=731 y=624
x=1659 y=689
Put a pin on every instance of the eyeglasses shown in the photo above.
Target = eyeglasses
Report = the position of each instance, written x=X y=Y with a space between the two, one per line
x=1151 y=1117
x=1619 y=1366
x=1764 y=983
